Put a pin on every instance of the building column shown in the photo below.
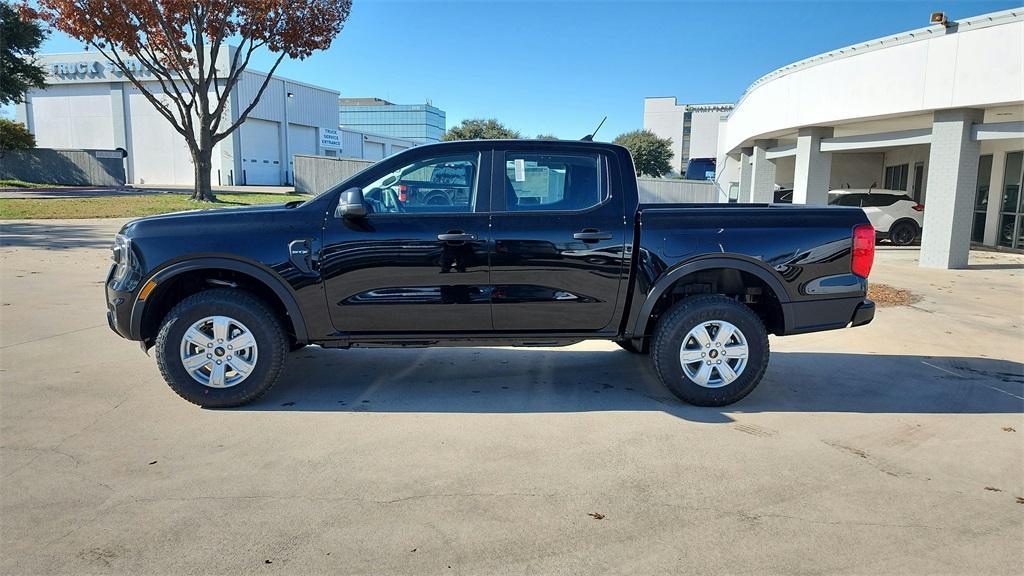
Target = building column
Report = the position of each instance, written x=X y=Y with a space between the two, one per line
x=762 y=173
x=813 y=168
x=746 y=155
x=952 y=182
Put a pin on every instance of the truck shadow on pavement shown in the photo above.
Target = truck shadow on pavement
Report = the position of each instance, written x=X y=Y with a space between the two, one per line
x=523 y=380
x=43 y=235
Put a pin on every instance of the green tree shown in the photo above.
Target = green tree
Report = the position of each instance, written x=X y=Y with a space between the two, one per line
x=651 y=155
x=19 y=40
x=14 y=136
x=480 y=129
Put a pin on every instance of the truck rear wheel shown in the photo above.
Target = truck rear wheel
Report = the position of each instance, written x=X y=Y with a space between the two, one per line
x=710 y=350
x=221 y=348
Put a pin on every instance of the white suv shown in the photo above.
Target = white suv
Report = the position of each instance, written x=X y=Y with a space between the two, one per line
x=894 y=215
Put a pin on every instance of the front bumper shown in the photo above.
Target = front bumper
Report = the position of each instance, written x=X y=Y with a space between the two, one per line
x=119 y=309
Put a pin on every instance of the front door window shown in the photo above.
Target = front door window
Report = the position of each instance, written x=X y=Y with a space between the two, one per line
x=443 y=184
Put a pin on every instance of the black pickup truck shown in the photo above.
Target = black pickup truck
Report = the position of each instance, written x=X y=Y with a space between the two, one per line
x=548 y=246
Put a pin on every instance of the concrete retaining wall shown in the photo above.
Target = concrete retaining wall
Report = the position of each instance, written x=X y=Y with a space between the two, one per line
x=315 y=174
x=667 y=191
x=65 y=167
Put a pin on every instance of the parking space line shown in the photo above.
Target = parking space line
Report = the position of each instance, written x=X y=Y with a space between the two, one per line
x=997 y=389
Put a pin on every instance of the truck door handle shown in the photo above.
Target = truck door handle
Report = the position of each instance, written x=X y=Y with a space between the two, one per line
x=592 y=235
x=456 y=236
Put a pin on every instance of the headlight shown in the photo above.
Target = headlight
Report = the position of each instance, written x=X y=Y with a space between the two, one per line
x=126 y=266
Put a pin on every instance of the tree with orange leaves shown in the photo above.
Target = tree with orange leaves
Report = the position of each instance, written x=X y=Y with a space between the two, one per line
x=179 y=43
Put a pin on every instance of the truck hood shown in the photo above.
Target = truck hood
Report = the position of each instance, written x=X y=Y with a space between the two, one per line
x=208 y=217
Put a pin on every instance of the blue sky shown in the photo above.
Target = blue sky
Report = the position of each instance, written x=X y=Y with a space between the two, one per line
x=559 y=67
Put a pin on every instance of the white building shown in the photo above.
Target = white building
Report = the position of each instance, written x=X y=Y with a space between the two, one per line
x=693 y=128
x=88 y=103
x=937 y=111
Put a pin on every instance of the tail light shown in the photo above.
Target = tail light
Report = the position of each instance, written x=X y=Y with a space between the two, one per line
x=863 y=250
x=919 y=207
x=403 y=193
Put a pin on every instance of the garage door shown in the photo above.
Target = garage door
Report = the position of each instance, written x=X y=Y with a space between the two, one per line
x=373 y=150
x=301 y=140
x=261 y=152
x=158 y=155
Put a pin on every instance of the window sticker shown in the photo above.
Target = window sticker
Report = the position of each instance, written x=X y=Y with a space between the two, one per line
x=520 y=170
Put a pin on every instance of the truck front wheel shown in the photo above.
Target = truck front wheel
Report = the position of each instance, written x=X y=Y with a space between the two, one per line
x=220 y=348
x=710 y=350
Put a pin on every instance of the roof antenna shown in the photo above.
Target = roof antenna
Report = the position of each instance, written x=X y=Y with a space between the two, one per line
x=590 y=137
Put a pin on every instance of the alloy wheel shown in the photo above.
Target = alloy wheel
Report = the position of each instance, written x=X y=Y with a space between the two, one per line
x=714 y=354
x=218 y=351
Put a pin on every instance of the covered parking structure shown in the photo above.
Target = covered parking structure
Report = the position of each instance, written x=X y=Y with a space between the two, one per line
x=937 y=112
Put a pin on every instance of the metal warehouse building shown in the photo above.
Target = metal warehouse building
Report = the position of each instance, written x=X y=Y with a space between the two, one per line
x=90 y=104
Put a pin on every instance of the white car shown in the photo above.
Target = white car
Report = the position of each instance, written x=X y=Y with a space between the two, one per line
x=894 y=215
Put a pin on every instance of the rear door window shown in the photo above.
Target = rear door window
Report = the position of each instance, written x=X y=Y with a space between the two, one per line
x=847 y=200
x=553 y=182
x=880 y=200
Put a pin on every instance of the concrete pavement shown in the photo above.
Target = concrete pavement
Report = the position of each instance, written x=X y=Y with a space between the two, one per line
x=882 y=450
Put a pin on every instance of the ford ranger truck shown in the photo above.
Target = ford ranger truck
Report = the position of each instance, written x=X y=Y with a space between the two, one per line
x=536 y=243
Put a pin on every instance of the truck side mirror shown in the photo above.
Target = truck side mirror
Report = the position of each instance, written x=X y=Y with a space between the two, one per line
x=351 y=204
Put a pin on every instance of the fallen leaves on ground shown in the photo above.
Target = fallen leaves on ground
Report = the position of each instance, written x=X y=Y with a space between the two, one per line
x=885 y=295
x=596 y=515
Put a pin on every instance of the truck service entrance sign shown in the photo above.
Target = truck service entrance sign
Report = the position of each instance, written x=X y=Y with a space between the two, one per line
x=329 y=138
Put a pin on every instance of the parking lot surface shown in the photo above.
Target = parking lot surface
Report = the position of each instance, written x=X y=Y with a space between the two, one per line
x=893 y=448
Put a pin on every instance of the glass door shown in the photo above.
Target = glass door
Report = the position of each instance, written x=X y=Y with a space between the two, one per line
x=981 y=198
x=919 y=182
x=1011 y=211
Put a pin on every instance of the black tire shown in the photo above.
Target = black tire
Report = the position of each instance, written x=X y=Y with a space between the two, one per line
x=903 y=233
x=254 y=313
x=627 y=345
x=676 y=324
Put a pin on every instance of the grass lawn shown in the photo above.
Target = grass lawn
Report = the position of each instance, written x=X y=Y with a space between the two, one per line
x=23 y=184
x=126 y=206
